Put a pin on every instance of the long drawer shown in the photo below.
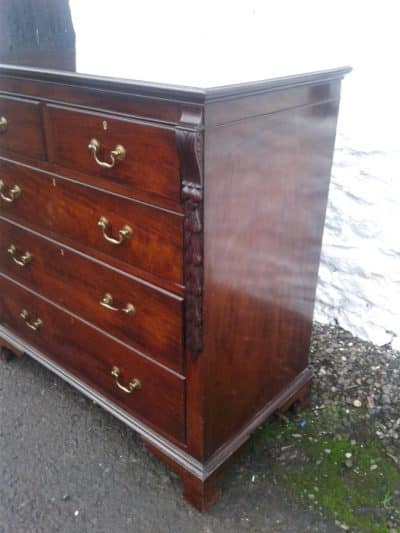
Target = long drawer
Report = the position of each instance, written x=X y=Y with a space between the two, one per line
x=135 y=156
x=137 y=313
x=144 y=389
x=148 y=238
x=21 y=127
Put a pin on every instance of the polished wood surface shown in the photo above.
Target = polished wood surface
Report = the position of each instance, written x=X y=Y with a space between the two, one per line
x=79 y=284
x=23 y=134
x=91 y=356
x=151 y=162
x=225 y=111
x=225 y=191
x=111 y=100
x=70 y=211
x=266 y=188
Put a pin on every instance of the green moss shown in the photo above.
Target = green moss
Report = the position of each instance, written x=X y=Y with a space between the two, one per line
x=358 y=496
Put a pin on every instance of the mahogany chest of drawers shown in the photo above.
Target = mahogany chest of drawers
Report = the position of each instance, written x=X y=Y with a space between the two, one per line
x=159 y=249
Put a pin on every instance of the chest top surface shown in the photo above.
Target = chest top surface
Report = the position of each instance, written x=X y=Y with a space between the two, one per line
x=176 y=51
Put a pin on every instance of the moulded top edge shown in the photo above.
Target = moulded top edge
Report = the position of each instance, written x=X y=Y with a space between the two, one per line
x=168 y=91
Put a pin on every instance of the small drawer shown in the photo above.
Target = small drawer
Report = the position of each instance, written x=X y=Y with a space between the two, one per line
x=145 y=237
x=21 y=127
x=142 y=388
x=125 y=155
x=148 y=318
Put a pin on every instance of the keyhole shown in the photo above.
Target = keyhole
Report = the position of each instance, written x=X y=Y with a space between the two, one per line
x=105 y=125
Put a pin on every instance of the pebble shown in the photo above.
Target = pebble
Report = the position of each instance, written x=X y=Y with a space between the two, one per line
x=351 y=364
x=370 y=402
x=358 y=374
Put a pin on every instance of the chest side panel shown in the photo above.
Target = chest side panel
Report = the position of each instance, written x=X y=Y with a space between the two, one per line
x=266 y=187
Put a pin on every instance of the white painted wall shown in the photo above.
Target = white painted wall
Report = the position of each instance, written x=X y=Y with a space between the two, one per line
x=223 y=41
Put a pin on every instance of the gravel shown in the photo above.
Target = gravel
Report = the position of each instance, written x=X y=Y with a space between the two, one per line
x=349 y=371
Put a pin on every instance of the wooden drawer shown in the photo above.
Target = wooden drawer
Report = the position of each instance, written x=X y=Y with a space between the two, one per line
x=91 y=356
x=21 y=127
x=68 y=210
x=150 y=163
x=154 y=326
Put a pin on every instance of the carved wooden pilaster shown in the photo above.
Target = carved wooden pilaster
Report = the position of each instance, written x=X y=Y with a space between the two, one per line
x=190 y=150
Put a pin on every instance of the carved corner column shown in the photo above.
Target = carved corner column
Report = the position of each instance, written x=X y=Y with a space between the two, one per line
x=189 y=138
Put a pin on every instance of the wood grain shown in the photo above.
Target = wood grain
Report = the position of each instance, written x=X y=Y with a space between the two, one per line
x=24 y=134
x=266 y=187
x=67 y=210
x=78 y=284
x=151 y=162
x=89 y=355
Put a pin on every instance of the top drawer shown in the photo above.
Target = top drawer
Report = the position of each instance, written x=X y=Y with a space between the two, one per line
x=149 y=161
x=20 y=127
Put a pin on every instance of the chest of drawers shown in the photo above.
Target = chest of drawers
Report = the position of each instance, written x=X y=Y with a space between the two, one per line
x=159 y=249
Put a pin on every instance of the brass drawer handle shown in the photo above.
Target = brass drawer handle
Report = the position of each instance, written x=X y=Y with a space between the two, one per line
x=133 y=385
x=107 y=302
x=23 y=260
x=13 y=193
x=35 y=324
x=123 y=234
x=3 y=124
x=118 y=154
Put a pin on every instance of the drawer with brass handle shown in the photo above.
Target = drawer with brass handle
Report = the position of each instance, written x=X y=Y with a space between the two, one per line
x=23 y=259
x=134 y=384
x=124 y=233
x=21 y=127
x=34 y=324
x=107 y=302
x=117 y=154
x=147 y=239
x=3 y=124
x=138 y=314
x=9 y=194
x=132 y=157
x=145 y=389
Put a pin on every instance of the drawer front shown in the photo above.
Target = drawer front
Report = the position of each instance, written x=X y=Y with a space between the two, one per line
x=21 y=127
x=72 y=211
x=138 y=314
x=91 y=356
x=149 y=164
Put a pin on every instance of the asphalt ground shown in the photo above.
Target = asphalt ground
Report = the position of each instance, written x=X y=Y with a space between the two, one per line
x=66 y=465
